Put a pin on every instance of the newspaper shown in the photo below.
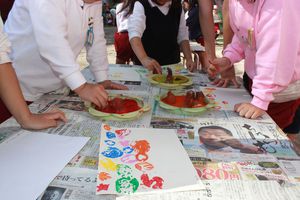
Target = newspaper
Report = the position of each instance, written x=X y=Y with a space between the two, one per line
x=221 y=164
x=225 y=190
x=74 y=184
x=260 y=169
x=291 y=167
x=135 y=85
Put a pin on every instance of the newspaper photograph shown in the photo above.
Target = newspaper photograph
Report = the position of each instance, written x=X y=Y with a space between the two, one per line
x=220 y=140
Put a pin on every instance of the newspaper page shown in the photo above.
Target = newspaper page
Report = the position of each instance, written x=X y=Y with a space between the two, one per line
x=261 y=169
x=118 y=73
x=236 y=140
x=74 y=184
x=222 y=190
x=291 y=167
x=292 y=192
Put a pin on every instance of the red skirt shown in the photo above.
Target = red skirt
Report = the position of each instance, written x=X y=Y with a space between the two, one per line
x=4 y=112
x=123 y=47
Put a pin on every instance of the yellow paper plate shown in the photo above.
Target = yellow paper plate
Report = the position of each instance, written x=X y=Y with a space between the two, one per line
x=179 y=81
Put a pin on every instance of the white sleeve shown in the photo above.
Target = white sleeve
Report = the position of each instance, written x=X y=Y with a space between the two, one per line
x=97 y=53
x=50 y=24
x=183 y=32
x=4 y=46
x=137 y=21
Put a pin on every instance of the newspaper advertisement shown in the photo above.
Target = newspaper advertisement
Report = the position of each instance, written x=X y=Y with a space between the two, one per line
x=241 y=170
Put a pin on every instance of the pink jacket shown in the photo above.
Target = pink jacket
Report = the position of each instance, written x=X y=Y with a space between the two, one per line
x=267 y=36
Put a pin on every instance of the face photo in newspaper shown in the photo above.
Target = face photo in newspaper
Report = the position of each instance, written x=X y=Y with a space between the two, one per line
x=217 y=138
x=242 y=138
x=53 y=193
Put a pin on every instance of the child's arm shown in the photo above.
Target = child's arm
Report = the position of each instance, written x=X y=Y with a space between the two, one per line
x=11 y=95
x=277 y=55
x=150 y=63
x=207 y=26
x=185 y=47
x=136 y=28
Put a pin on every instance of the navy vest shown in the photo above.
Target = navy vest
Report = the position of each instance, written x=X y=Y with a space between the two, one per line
x=160 y=36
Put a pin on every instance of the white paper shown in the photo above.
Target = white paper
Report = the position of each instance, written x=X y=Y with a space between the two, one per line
x=226 y=98
x=126 y=156
x=31 y=160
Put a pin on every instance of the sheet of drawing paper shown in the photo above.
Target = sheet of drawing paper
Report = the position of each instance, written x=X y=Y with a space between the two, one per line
x=138 y=160
x=226 y=98
x=121 y=74
x=29 y=161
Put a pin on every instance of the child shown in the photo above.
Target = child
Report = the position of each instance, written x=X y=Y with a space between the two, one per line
x=195 y=33
x=122 y=45
x=11 y=95
x=46 y=38
x=157 y=31
x=266 y=35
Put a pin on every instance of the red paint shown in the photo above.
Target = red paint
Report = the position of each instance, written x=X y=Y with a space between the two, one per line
x=158 y=181
x=120 y=106
x=102 y=186
x=184 y=101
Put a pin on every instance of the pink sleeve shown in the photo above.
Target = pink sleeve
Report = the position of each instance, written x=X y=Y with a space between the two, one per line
x=235 y=50
x=276 y=51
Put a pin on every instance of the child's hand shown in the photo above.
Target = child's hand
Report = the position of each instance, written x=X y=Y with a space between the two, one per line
x=227 y=78
x=113 y=86
x=94 y=93
x=151 y=64
x=218 y=65
x=190 y=65
x=43 y=121
x=248 y=110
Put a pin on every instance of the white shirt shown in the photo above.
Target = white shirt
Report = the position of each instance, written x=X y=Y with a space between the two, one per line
x=122 y=21
x=47 y=36
x=4 y=45
x=137 y=21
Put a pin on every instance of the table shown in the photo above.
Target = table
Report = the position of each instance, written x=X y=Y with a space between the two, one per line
x=227 y=172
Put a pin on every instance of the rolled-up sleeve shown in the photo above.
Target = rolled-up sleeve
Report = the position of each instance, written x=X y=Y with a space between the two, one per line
x=183 y=32
x=137 y=21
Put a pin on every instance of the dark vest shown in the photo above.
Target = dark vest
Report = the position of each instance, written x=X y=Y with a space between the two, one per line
x=160 y=36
